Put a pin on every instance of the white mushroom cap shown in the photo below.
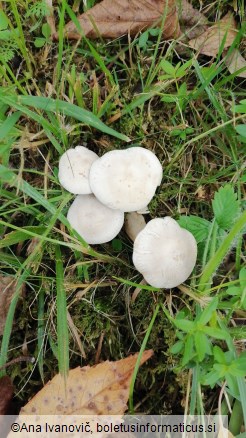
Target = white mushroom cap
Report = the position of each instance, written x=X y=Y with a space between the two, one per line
x=95 y=222
x=164 y=253
x=126 y=179
x=74 y=167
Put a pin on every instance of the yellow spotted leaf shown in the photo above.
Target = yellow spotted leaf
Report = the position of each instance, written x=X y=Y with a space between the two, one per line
x=102 y=389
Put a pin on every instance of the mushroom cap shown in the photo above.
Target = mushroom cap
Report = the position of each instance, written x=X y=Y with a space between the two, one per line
x=74 y=168
x=164 y=253
x=95 y=222
x=126 y=179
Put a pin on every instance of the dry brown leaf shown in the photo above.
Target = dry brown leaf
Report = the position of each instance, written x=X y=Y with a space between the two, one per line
x=112 y=19
x=210 y=41
x=7 y=291
x=99 y=390
x=235 y=62
x=189 y=15
x=193 y=23
x=134 y=223
x=6 y=394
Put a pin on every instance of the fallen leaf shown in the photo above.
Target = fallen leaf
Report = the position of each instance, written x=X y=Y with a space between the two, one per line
x=112 y=19
x=192 y=22
x=235 y=62
x=99 y=390
x=189 y=15
x=102 y=389
x=210 y=41
x=7 y=291
x=134 y=223
x=6 y=394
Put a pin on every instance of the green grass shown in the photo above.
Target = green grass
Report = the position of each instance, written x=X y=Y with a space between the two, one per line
x=185 y=109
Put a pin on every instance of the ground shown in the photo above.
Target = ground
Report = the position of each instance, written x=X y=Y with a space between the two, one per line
x=110 y=308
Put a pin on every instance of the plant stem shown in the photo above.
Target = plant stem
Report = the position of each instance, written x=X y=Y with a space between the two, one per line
x=134 y=375
x=193 y=398
x=215 y=261
x=21 y=40
x=62 y=328
x=205 y=252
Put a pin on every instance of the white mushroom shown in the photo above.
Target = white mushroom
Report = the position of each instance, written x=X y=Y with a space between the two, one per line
x=164 y=253
x=74 y=167
x=95 y=222
x=126 y=179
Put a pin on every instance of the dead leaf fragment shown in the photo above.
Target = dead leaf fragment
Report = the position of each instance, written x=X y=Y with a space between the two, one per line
x=224 y=433
x=113 y=19
x=193 y=23
x=7 y=291
x=6 y=394
x=99 y=390
x=189 y=15
x=235 y=62
x=210 y=41
x=134 y=223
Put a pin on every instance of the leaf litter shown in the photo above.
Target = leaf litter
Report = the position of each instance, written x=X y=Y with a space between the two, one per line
x=235 y=62
x=102 y=389
x=6 y=394
x=220 y=34
x=109 y=19
x=182 y=20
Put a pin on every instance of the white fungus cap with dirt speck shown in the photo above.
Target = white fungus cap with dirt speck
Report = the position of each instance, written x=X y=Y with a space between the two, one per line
x=95 y=222
x=126 y=179
x=74 y=167
x=164 y=253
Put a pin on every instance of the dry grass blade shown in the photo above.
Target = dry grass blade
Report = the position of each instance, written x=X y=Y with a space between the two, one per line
x=113 y=19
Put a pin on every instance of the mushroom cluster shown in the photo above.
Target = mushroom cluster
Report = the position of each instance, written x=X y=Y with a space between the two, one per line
x=125 y=181
x=107 y=187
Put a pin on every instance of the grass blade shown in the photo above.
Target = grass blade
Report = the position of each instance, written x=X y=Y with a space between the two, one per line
x=215 y=261
x=55 y=105
x=8 y=124
x=143 y=346
x=41 y=333
x=62 y=328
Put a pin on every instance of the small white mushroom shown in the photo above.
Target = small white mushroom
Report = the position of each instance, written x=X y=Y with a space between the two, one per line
x=95 y=222
x=74 y=167
x=164 y=253
x=126 y=179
